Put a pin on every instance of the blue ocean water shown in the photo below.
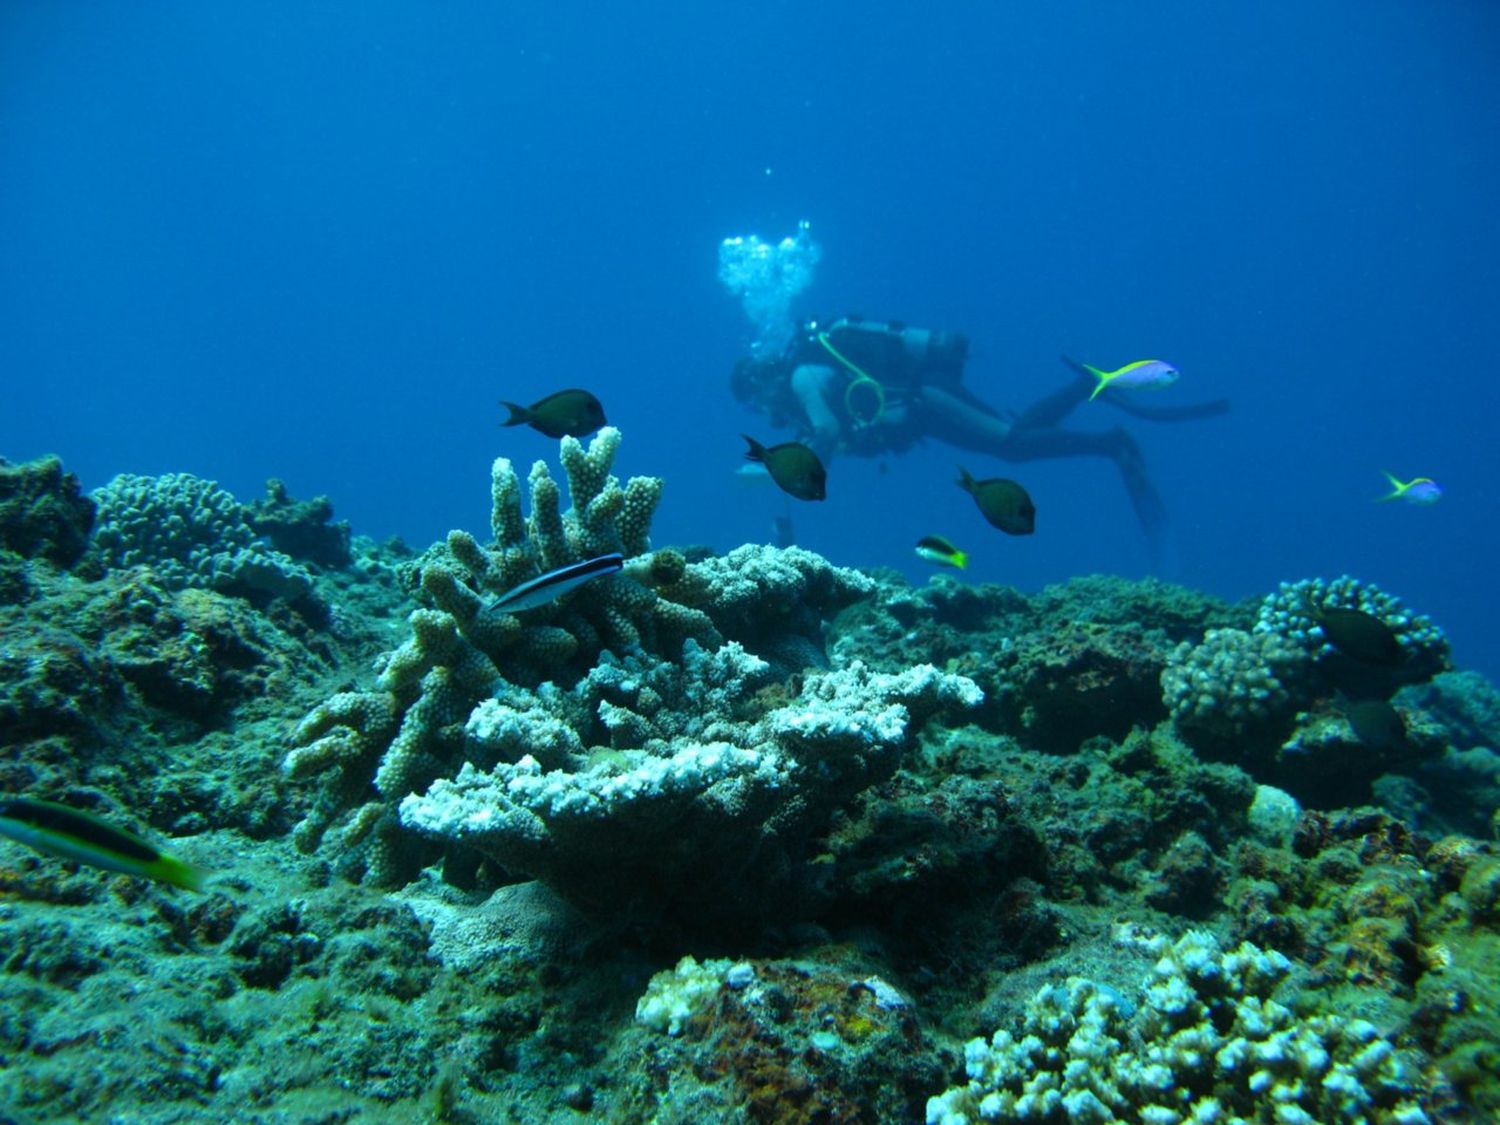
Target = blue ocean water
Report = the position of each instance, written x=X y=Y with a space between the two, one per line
x=320 y=241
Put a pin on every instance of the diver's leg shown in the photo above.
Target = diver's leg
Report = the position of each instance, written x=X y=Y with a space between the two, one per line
x=1188 y=413
x=1034 y=443
x=951 y=419
x=1119 y=447
x=1051 y=409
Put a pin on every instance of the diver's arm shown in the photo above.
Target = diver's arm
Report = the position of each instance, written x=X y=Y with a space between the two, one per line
x=812 y=383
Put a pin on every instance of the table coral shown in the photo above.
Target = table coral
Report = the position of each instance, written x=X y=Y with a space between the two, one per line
x=778 y=601
x=707 y=822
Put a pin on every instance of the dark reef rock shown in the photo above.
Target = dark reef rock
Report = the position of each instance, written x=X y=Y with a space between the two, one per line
x=15 y=579
x=1056 y=688
x=43 y=512
x=55 y=684
x=805 y=1042
x=1188 y=880
x=303 y=529
x=1325 y=763
x=1177 y=613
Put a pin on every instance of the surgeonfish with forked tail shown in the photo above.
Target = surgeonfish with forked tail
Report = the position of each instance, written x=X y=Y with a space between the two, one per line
x=571 y=413
x=1140 y=375
x=793 y=466
x=69 y=833
x=938 y=551
x=554 y=584
x=1418 y=490
x=1004 y=503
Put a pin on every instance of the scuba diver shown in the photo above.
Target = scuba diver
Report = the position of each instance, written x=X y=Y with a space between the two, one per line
x=875 y=387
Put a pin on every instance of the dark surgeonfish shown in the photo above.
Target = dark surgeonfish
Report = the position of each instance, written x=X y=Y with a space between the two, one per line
x=1376 y=724
x=571 y=413
x=1358 y=634
x=82 y=837
x=793 y=466
x=554 y=584
x=1004 y=503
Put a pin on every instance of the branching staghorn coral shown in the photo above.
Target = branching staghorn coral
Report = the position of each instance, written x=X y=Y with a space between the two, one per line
x=471 y=685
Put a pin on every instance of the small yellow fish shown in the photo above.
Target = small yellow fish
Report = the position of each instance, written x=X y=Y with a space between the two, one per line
x=936 y=549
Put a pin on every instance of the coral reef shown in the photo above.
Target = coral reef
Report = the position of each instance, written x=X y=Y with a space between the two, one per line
x=43 y=513
x=1288 y=613
x=775 y=1041
x=775 y=774
x=644 y=660
x=1233 y=686
x=190 y=532
x=1085 y=680
x=1397 y=929
x=1082 y=660
x=1296 y=711
x=704 y=828
x=1204 y=1041
x=300 y=529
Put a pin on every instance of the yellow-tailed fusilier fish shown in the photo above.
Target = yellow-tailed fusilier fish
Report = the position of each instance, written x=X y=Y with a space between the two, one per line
x=1139 y=375
x=554 y=584
x=1418 y=490
x=571 y=413
x=69 y=833
x=936 y=549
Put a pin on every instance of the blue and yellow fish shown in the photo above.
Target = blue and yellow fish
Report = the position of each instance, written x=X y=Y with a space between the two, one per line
x=1418 y=490
x=1140 y=375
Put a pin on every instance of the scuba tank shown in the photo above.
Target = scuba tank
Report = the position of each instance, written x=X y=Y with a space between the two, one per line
x=900 y=354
